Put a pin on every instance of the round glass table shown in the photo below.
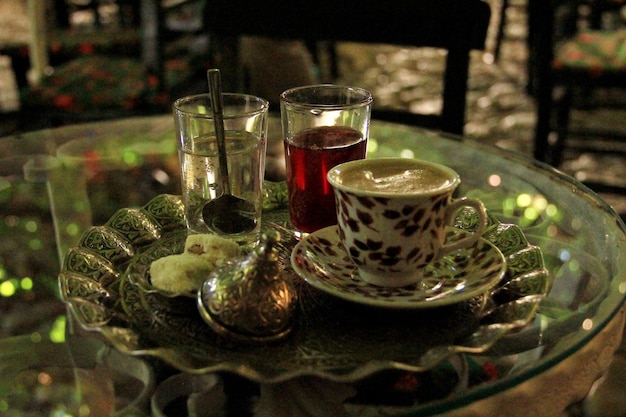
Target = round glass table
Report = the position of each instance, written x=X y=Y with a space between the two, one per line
x=55 y=184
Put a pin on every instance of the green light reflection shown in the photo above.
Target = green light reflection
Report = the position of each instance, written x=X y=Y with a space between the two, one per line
x=35 y=244
x=26 y=284
x=80 y=206
x=4 y=184
x=72 y=229
x=407 y=153
x=31 y=226
x=8 y=288
x=57 y=333
x=131 y=158
x=372 y=146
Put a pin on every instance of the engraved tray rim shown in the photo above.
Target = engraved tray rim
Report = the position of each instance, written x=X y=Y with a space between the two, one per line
x=92 y=278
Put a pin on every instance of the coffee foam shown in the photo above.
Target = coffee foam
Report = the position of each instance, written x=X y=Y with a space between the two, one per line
x=391 y=179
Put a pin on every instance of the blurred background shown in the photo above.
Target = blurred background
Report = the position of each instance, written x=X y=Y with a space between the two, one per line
x=64 y=62
x=68 y=61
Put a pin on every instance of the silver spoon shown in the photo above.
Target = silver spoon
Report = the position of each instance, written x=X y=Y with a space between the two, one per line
x=223 y=214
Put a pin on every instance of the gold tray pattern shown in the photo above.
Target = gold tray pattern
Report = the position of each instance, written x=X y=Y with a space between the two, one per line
x=332 y=338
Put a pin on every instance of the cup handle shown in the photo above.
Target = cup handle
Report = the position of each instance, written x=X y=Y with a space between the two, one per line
x=472 y=237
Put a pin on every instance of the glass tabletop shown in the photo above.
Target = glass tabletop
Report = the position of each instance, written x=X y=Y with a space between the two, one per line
x=581 y=238
x=45 y=210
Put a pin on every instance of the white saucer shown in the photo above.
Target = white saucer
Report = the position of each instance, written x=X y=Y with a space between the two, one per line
x=321 y=260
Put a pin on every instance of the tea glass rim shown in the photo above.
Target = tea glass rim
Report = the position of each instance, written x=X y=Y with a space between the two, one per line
x=262 y=106
x=366 y=97
x=337 y=171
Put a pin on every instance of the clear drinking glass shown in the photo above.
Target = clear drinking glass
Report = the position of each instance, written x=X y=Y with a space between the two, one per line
x=323 y=126
x=245 y=124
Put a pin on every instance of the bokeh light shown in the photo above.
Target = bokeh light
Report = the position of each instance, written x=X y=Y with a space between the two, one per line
x=407 y=153
x=57 y=333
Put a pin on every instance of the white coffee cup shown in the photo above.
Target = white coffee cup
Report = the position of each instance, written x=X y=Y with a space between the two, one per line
x=392 y=215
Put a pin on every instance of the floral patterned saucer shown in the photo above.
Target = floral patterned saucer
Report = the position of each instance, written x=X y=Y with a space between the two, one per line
x=321 y=260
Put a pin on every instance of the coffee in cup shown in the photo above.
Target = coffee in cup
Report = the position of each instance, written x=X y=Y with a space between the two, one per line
x=392 y=215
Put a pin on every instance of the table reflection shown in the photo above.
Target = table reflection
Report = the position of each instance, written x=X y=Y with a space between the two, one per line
x=59 y=182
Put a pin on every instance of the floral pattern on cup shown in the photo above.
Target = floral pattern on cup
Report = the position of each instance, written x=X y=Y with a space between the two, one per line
x=409 y=219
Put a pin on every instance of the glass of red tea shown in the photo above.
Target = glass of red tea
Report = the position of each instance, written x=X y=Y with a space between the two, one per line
x=323 y=126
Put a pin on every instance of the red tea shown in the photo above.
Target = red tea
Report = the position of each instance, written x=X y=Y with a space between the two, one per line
x=309 y=156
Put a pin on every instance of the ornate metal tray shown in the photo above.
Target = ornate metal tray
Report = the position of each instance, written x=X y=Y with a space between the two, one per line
x=332 y=338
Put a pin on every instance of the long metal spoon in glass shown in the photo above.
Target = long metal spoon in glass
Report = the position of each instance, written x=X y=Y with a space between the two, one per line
x=223 y=214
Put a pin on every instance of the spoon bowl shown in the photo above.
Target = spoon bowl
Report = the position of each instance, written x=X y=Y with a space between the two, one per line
x=229 y=214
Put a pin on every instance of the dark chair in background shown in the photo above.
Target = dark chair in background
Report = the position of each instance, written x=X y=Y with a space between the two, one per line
x=458 y=26
x=588 y=56
x=500 y=33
